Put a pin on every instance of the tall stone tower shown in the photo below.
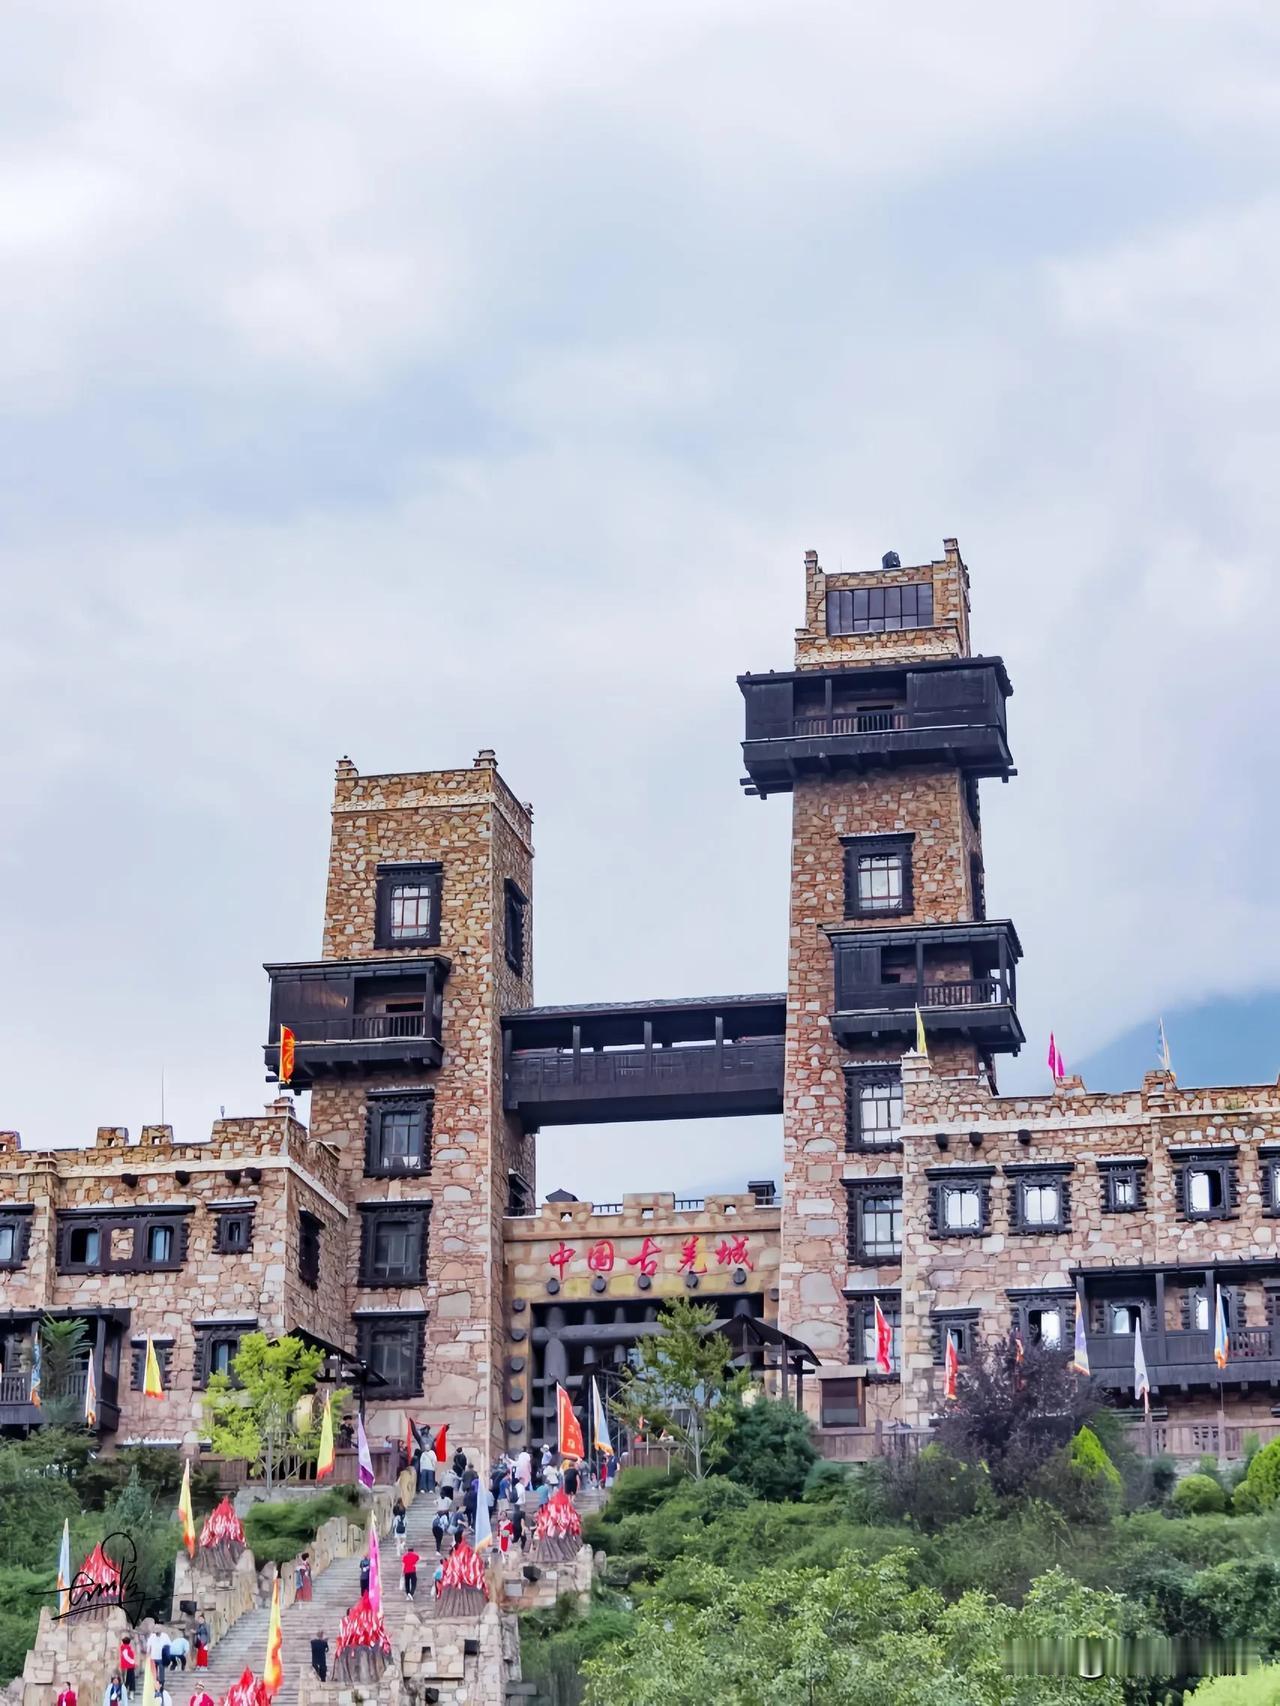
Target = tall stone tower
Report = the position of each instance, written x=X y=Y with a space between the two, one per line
x=427 y=942
x=881 y=734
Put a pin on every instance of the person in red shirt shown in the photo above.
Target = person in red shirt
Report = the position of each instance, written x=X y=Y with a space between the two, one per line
x=128 y=1663
x=410 y=1566
x=68 y=1695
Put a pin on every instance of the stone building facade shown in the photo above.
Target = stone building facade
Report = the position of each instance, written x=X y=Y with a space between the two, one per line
x=400 y=1225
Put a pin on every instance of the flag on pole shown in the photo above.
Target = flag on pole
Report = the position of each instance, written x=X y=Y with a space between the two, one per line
x=152 y=1385
x=288 y=1044
x=1056 y=1066
x=922 y=1045
x=484 y=1527
x=1080 y=1353
x=148 y=1677
x=364 y=1458
x=410 y=1438
x=64 y=1569
x=37 y=1367
x=324 y=1462
x=1163 y=1057
x=952 y=1369
x=441 y=1446
x=90 y=1396
x=568 y=1427
x=375 y=1564
x=1221 y=1348
x=273 y=1668
x=185 y=1516
x=1141 y=1385
x=884 y=1340
x=599 y=1422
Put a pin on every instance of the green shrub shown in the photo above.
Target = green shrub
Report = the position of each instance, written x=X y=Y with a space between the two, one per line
x=1080 y=1481
x=1256 y=1688
x=826 y=1483
x=933 y=1489
x=1245 y=1501
x=1263 y=1476
x=769 y=1449
x=278 y=1530
x=1198 y=1495
x=638 y=1491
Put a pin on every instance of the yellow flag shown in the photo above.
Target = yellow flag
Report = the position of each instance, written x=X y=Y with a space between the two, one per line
x=922 y=1047
x=148 y=1677
x=185 y=1516
x=324 y=1463
x=273 y=1669
x=151 y=1383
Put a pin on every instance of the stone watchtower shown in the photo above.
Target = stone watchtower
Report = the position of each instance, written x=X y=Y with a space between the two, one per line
x=427 y=942
x=881 y=734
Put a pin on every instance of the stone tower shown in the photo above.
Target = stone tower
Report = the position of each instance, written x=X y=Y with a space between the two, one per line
x=427 y=942
x=881 y=734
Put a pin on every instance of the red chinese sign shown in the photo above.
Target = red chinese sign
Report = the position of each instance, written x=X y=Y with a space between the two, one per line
x=646 y=1261
x=691 y=1261
x=600 y=1257
x=561 y=1258
x=732 y=1252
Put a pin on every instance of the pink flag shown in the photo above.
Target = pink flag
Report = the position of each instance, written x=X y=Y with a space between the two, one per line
x=1056 y=1066
x=375 y=1564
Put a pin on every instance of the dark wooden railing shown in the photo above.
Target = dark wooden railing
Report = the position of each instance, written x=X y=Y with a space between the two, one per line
x=15 y=1387
x=538 y=1072
x=1182 y=1349
x=379 y=1025
x=954 y=992
x=850 y=723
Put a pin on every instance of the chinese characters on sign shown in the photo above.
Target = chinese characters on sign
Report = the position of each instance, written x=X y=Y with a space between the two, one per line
x=730 y=1252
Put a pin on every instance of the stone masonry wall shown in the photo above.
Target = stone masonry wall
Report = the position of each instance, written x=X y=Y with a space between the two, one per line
x=1075 y=1128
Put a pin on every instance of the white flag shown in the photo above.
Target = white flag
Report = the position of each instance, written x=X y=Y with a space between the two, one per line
x=484 y=1528
x=1141 y=1385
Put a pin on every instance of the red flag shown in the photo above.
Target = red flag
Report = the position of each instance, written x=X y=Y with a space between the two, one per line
x=952 y=1368
x=569 y=1427
x=287 y=1041
x=884 y=1342
x=441 y=1446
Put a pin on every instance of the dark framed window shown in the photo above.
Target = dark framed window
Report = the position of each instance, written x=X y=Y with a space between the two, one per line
x=862 y=1335
x=408 y=905
x=309 y=1228
x=879 y=609
x=873 y=1107
x=1205 y=1187
x=1045 y=1318
x=875 y=1221
x=233 y=1231
x=83 y=1247
x=159 y=1246
x=1197 y=1308
x=161 y=1243
x=1123 y=1186
x=217 y=1343
x=959 y=1201
x=1039 y=1199
x=877 y=876
x=393 y=1243
x=1271 y=1187
x=15 y=1235
x=138 y=1362
x=397 y=1134
x=963 y=1326
x=519 y=1196
x=516 y=905
x=392 y=1347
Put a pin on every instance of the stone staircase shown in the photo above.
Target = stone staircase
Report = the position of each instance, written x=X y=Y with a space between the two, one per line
x=335 y=1591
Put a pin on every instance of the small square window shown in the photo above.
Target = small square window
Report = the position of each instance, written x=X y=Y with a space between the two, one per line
x=396 y=1135
x=1198 y=1310
x=8 y=1244
x=1124 y=1318
x=873 y=1108
x=1206 y=1188
x=1044 y=1326
x=160 y=1245
x=1041 y=1205
x=876 y=1223
x=961 y=1208
x=877 y=876
x=515 y=907
x=1039 y=1202
x=964 y=1331
x=309 y=1249
x=392 y=1347
x=408 y=906
x=393 y=1244
x=13 y=1240
x=233 y=1232
x=84 y=1246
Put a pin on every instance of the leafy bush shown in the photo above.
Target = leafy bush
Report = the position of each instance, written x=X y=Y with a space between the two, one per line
x=826 y=1483
x=769 y=1449
x=1198 y=1495
x=638 y=1491
x=278 y=1530
x=1081 y=1481
x=933 y=1488
x=1263 y=1477
x=1256 y=1688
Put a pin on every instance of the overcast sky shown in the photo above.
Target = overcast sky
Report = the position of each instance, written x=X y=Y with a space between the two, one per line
x=400 y=380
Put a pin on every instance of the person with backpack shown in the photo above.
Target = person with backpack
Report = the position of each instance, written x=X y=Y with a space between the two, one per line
x=399 y=1526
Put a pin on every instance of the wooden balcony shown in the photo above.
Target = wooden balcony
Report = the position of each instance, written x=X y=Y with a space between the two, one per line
x=350 y=1016
x=816 y=722
x=872 y=1003
x=1182 y=1359
x=17 y=1410
x=638 y=1061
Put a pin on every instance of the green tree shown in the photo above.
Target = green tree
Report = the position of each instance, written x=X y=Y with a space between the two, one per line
x=1257 y=1688
x=769 y=1447
x=680 y=1385
x=857 y=1635
x=255 y=1417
